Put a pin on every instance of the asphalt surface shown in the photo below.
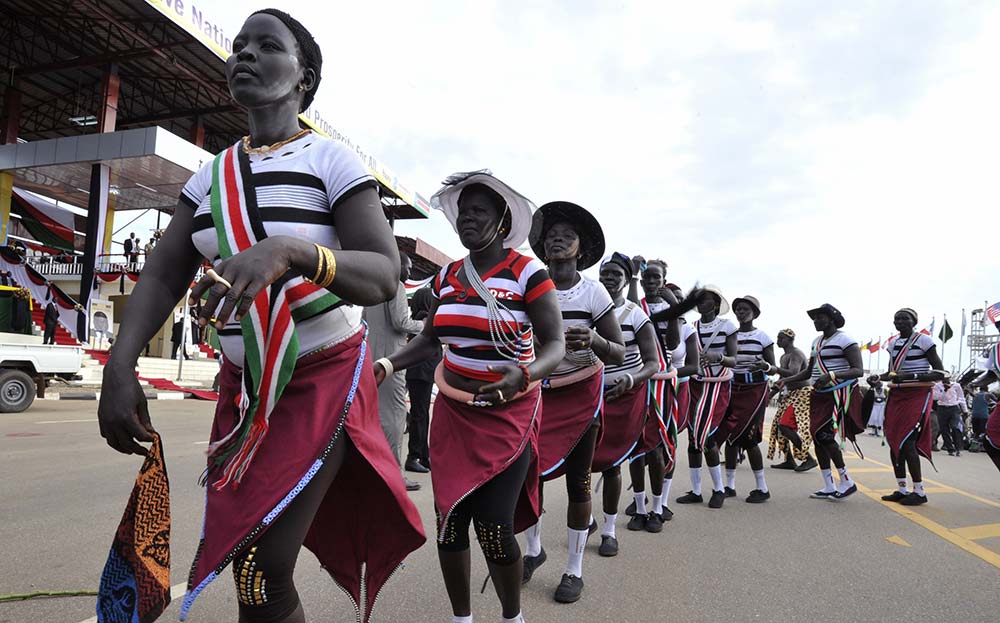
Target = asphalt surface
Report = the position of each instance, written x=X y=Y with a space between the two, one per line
x=62 y=491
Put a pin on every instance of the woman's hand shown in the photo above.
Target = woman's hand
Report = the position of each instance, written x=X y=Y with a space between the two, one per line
x=822 y=381
x=122 y=414
x=618 y=389
x=379 y=373
x=873 y=378
x=760 y=366
x=709 y=358
x=249 y=272
x=579 y=338
x=499 y=392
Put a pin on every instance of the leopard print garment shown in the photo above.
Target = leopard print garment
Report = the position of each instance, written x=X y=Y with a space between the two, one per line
x=799 y=400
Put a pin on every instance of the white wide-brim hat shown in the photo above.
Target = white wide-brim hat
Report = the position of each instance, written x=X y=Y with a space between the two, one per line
x=521 y=208
x=723 y=303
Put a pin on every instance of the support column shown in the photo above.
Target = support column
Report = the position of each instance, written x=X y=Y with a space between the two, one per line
x=11 y=125
x=100 y=217
x=198 y=132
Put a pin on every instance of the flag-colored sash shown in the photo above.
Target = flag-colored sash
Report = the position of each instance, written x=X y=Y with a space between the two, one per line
x=841 y=391
x=270 y=342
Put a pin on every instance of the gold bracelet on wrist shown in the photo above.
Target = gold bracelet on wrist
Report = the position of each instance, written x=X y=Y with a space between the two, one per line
x=326 y=267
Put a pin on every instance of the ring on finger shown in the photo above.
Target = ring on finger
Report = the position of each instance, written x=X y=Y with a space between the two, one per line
x=217 y=278
x=500 y=397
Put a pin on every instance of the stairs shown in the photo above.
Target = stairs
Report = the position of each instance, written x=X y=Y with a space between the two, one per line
x=63 y=337
x=197 y=376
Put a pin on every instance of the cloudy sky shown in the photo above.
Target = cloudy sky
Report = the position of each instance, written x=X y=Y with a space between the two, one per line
x=799 y=152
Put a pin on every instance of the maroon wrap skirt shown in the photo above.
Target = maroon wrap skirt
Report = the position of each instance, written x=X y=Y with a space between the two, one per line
x=993 y=427
x=907 y=413
x=683 y=405
x=744 y=421
x=708 y=404
x=823 y=411
x=568 y=412
x=366 y=519
x=625 y=423
x=469 y=446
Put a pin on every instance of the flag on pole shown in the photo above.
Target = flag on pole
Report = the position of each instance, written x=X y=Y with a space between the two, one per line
x=864 y=347
x=963 y=322
x=929 y=330
x=946 y=333
x=992 y=313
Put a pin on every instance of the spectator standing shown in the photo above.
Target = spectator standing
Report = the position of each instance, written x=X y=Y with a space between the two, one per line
x=419 y=383
x=389 y=324
x=51 y=322
x=950 y=406
x=980 y=411
x=130 y=244
x=177 y=337
x=149 y=247
x=134 y=256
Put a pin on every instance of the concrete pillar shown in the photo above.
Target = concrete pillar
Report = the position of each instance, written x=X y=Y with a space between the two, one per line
x=11 y=125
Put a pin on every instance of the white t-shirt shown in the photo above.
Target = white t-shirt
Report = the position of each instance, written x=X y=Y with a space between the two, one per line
x=832 y=351
x=632 y=319
x=750 y=349
x=581 y=306
x=916 y=358
x=721 y=328
x=298 y=192
x=679 y=355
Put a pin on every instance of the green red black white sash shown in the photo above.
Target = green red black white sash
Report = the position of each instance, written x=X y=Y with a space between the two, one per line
x=269 y=338
x=665 y=414
x=841 y=392
x=897 y=361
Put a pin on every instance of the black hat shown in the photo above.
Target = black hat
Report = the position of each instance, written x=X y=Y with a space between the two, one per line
x=583 y=222
x=621 y=260
x=829 y=310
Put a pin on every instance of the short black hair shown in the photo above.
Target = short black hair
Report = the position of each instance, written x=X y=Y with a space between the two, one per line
x=309 y=53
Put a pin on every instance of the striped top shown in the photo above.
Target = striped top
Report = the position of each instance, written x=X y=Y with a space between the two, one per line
x=751 y=345
x=661 y=327
x=915 y=361
x=722 y=328
x=461 y=319
x=581 y=306
x=632 y=319
x=832 y=351
x=298 y=192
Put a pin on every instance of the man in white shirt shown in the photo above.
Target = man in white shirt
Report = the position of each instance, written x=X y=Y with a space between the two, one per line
x=951 y=406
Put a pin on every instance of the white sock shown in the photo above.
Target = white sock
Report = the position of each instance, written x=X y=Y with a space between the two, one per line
x=609 y=524
x=731 y=478
x=901 y=483
x=458 y=619
x=533 y=539
x=758 y=475
x=658 y=504
x=918 y=488
x=640 y=503
x=666 y=489
x=576 y=540
x=696 y=480
x=828 y=486
x=845 y=479
x=518 y=619
x=716 y=473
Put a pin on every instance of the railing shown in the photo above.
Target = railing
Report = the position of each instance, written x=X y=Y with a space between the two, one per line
x=73 y=265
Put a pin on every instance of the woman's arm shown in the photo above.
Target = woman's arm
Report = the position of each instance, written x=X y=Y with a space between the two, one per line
x=690 y=363
x=650 y=352
x=609 y=345
x=423 y=346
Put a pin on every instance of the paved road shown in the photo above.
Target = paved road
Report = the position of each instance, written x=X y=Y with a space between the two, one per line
x=792 y=559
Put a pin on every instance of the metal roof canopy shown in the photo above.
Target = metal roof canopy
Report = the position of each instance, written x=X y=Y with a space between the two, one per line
x=149 y=167
x=56 y=53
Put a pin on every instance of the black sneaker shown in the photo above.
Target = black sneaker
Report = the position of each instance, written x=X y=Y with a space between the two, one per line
x=690 y=498
x=951 y=453
x=531 y=563
x=730 y=492
x=630 y=509
x=637 y=523
x=666 y=514
x=895 y=496
x=806 y=465
x=654 y=523
x=838 y=496
x=609 y=546
x=757 y=496
x=788 y=463
x=718 y=497
x=822 y=495
x=592 y=528
x=569 y=589
x=913 y=499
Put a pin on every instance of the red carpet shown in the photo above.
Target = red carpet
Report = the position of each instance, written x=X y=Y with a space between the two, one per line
x=161 y=384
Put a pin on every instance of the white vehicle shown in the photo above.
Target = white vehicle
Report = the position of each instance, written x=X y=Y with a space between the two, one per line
x=24 y=368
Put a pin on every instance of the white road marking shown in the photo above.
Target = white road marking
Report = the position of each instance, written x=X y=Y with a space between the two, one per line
x=65 y=421
x=176 y=592
x=201 y=443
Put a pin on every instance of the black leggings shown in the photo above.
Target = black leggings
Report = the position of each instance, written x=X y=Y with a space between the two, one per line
x=827 y=448
x=491 y=507
x=907 y=457
x=578 y=465
x=270 y=562
x=711 y=451
x=637 y=467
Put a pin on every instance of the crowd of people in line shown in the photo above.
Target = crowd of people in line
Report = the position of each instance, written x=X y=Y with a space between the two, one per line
x=544 y=373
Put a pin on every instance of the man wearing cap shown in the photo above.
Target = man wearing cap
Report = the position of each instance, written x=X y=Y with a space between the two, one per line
x=710 y=392
x=914 y=366
x=790 y=427
x=835 y=406
x=743 y=426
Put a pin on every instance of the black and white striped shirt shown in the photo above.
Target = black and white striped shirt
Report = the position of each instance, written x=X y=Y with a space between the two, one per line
x=298 y=191
x=751 y=345
x=581 y=306
x=832 y=351
x=915 y=361
x=722 y=328
x=632 y=319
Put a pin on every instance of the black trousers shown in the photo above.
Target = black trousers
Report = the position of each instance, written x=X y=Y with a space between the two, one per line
x=420 y=419
x=949 y=421
x=50 y=334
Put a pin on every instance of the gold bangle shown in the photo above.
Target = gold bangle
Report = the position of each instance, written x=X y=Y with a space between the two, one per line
x=833 y=376
x=330 y=261
x=320 y=267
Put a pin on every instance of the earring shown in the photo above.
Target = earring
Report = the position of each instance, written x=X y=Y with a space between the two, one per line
x=301 y=88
